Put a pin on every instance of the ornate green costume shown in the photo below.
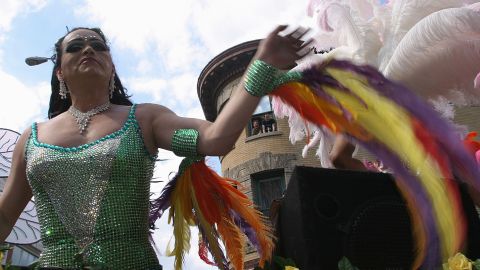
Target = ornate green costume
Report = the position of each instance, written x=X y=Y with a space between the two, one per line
x=93 y=200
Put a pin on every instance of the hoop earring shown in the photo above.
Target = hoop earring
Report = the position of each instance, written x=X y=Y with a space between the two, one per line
x=63 y=88
x=111 y=87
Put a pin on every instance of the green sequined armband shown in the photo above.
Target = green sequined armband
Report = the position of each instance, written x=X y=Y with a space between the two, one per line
x=259 y=79
x=184 y=142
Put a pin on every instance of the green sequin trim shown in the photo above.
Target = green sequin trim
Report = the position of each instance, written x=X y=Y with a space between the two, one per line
x=290 y=76
x=186 y=162
x=184 y=142
x=152 y=157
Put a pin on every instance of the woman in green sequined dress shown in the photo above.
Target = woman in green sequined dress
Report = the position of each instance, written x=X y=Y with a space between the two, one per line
x=89 y=166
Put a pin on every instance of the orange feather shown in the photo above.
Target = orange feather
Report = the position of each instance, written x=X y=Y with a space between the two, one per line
x=234 y=243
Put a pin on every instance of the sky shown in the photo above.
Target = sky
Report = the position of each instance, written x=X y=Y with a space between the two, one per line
x=159 y=49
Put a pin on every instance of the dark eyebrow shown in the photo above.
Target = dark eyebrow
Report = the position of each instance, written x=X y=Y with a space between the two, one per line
x=83 y=39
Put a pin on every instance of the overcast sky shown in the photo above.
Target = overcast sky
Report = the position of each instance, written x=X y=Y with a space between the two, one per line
x=158 y=47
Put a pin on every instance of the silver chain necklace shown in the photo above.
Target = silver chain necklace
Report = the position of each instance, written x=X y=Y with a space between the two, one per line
x=83 y=118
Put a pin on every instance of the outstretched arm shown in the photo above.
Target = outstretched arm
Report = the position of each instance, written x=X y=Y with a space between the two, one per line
x=218 y=138
x=17 y=192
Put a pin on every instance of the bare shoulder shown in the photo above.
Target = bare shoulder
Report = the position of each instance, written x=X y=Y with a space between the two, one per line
x=20 y=144
x=25 y=135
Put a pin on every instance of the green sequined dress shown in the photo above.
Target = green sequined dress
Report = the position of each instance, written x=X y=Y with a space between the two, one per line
x=93 y=200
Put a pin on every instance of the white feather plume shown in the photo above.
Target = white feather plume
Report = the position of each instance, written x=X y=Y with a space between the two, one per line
x=440 y=56
x=350 y=29
x=404 y=15
x=313 y=142
x=327 y=140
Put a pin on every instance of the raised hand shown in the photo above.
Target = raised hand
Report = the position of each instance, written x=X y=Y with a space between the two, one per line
x=282 y=51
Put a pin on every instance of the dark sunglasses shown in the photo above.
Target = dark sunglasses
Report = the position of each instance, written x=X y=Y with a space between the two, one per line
x=77 y=45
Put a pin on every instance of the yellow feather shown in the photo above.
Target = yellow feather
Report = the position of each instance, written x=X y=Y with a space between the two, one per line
x=182 y=216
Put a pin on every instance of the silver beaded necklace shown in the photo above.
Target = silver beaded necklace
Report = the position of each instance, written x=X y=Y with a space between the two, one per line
x=83 y=118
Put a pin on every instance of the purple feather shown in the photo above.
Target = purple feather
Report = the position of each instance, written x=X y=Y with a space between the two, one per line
x=247 y=230
x=162 y=203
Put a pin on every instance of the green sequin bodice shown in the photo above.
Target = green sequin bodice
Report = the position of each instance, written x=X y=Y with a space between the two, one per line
x=93 y=200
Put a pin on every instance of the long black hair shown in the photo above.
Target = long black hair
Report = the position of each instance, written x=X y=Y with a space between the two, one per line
x=58 y=105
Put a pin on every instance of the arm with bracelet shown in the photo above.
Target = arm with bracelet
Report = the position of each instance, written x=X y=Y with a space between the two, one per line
x=197 y=194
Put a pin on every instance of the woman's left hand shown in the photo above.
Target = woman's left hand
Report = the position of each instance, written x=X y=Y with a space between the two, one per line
x=282 y=51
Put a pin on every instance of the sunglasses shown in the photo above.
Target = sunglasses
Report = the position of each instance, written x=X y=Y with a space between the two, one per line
x=78 y=44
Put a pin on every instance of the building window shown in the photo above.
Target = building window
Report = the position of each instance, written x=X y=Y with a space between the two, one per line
x=263 y=106
x=261 y=124
x=263 y=119
x=267 y=187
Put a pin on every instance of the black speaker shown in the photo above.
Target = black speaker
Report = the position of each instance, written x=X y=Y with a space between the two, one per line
x=328 y=214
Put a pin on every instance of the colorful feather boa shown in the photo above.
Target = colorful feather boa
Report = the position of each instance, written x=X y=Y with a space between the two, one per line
x=401 y=130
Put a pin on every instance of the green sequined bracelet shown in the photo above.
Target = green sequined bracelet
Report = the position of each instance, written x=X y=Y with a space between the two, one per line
x=259 y=79
x=262 y=78
x=184 y=142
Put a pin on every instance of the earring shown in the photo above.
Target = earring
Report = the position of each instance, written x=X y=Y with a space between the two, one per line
x=63 y=88
x=111 y=87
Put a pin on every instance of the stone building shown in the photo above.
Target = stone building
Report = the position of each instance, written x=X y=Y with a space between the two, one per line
x=263 y=158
